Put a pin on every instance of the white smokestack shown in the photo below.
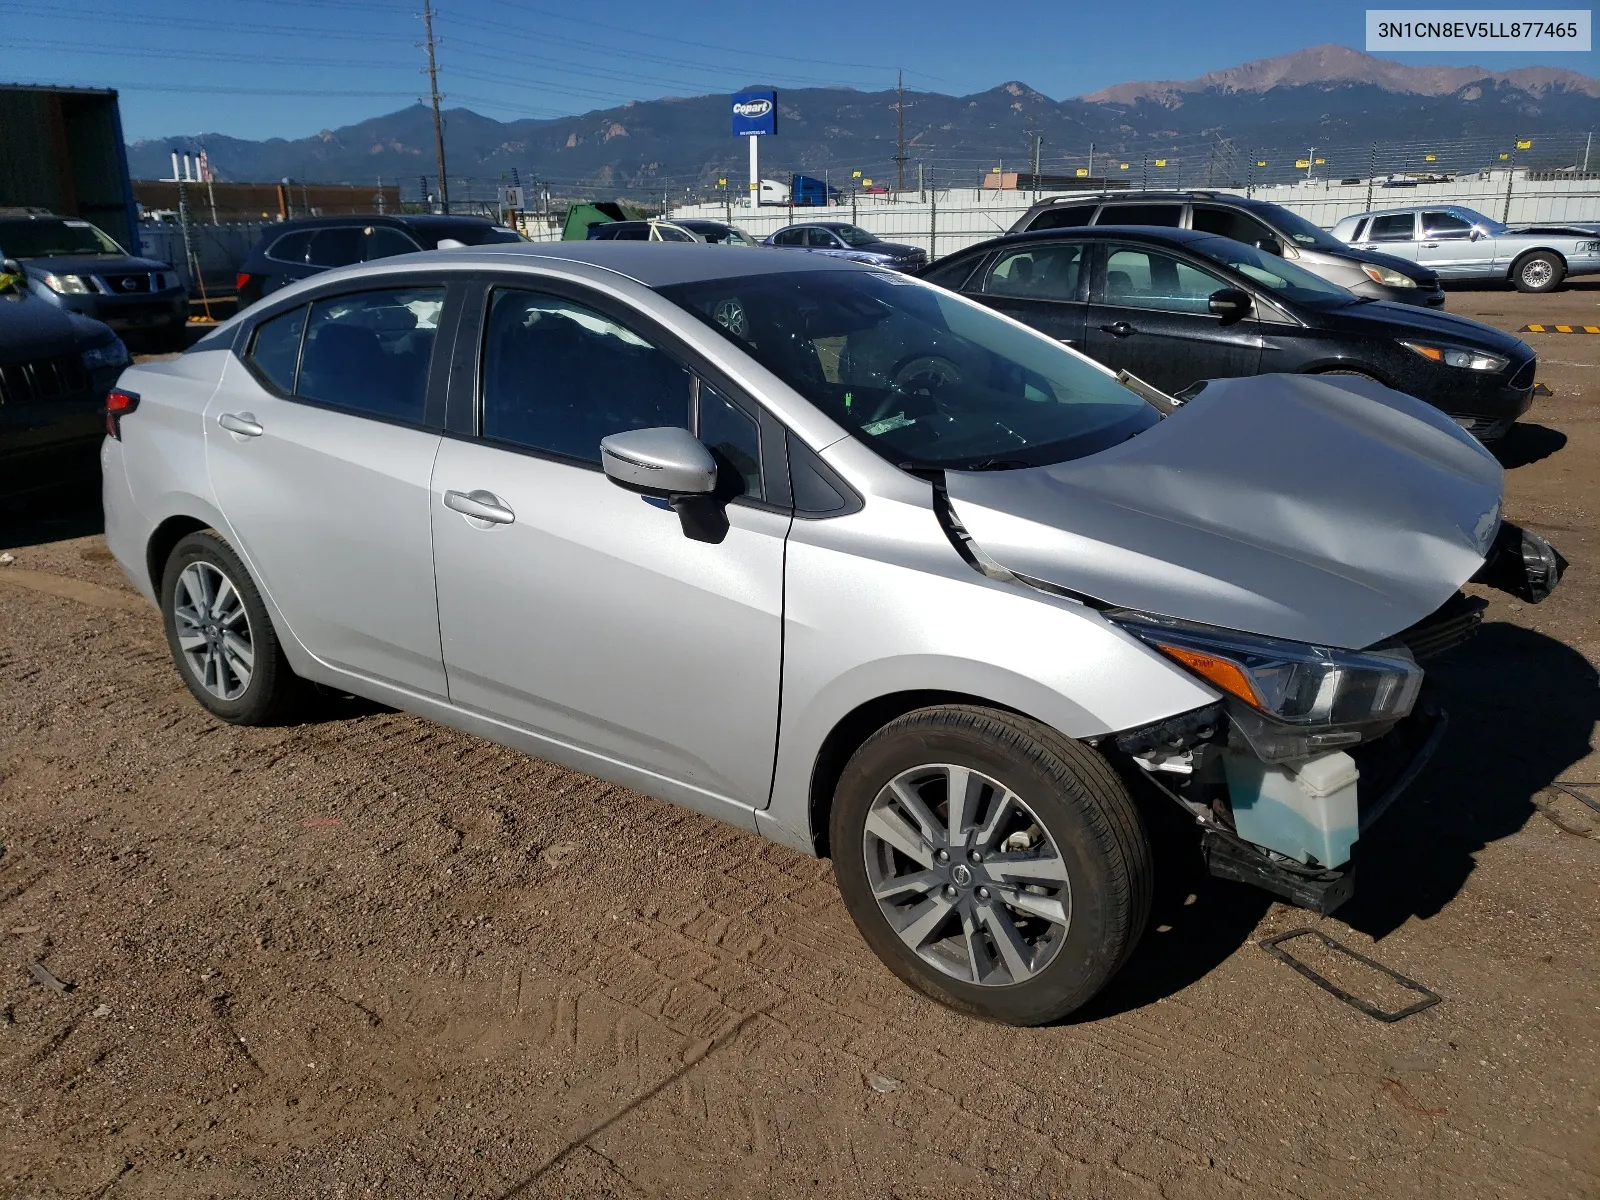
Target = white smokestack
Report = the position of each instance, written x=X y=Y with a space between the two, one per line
x=175 y=175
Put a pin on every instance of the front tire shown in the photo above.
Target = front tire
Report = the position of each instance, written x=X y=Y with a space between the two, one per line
x=994 y=864
x=1540 y=271
x=221 y=638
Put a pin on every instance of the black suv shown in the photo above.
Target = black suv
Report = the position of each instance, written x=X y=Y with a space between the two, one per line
x=296 y=249
x=75 y=266
x=1266 y=226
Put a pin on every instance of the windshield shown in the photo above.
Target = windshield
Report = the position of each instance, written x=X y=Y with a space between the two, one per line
x=1273 y=273
x=1488 y=224
x=49 y=239
x=922 y=376
x=1303 y=231
x=854 y=235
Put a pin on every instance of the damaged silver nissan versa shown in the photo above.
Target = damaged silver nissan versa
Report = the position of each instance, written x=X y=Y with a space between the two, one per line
x=833 y=555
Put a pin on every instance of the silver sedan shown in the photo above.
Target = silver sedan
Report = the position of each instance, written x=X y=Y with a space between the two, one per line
x=1462 y=244
x=826 y=552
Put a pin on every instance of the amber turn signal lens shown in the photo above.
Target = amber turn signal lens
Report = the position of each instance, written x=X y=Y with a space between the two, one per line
x=1226 y=675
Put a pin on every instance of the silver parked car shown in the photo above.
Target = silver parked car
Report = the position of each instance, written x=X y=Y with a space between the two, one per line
x=833 y=555
x=1461 y=244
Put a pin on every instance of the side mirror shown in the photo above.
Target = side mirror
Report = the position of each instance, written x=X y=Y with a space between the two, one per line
x=1477 y=235
x=1270 y=245
x=1231 y=304
x=671 y=465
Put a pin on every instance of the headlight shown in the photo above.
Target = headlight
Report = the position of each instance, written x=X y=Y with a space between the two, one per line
x=112 y=354
x=1387 y=277
x=69 y=285
x=1298 y=699
x=1467 y=360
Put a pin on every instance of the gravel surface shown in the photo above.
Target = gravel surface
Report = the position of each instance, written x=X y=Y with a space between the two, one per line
x=369 y=956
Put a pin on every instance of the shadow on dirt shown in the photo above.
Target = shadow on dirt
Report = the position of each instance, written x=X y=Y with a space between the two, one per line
x=1522 y=709
x=1526 y=444
x=70 y=510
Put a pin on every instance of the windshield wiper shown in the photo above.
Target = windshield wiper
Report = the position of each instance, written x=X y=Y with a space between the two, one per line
x=996 y=464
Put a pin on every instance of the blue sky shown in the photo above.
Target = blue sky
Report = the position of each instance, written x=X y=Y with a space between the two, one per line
x=287 y=68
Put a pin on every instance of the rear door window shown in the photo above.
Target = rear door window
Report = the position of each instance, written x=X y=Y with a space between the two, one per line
x=559 y=377
x=1396 y=227
x=336 y=247
x=275 y=348
x=1168 y=215
x=383 y=242
x=291 y=247
x=1065 y=216
x=1047 y=272
x=369 y=352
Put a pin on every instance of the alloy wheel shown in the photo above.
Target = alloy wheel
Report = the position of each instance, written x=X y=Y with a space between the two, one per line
x=1536 y=273
x=967 y=875
x=213 y=630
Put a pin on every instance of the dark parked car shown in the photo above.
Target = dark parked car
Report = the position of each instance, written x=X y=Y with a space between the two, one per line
x=76 y=267
x=1266 y=226
x=295 y=249
x=1177 y=307
x=55 y=370
x=844 y=240
x=717 y=232
x=641 y=231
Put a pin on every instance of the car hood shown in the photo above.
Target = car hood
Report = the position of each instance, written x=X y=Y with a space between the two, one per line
x=1405 y=266
x=1293 y=506
x=30 y=329
x=93 y=264
x=1390 y=318
x=891 y=249
x=1585 y=231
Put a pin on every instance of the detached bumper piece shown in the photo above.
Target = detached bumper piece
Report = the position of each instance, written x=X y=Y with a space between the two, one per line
x=1522 y=563
x=1305 y=887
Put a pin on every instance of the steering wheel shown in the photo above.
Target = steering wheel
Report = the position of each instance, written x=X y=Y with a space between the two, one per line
x=923 y=375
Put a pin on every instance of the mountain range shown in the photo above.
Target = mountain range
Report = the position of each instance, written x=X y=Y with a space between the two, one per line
x=1218 y=125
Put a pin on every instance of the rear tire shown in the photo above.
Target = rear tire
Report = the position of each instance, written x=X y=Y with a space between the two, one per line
x=1042 y=892
x=1540 y=271
x=221 y=638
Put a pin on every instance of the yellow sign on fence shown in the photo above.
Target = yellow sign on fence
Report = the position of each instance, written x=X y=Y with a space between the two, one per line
x=1083 y=172
x=1524 y=145
x=1161 y=162
x=1302 y=162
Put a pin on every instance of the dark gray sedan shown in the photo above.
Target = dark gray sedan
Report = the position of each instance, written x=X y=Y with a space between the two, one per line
x=844 y=240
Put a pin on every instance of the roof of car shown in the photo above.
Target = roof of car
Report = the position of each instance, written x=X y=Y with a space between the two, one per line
x=1151 y=233
x=1142 y=197
x=656 y=264
x=428 y=221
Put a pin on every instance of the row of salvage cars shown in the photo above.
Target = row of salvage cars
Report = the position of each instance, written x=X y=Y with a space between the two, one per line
x=875 y=568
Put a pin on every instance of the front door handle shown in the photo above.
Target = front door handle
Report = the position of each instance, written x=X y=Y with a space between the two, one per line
x=244 y=424
x=1430 y=245
x=1119 y=329
x=481 y=505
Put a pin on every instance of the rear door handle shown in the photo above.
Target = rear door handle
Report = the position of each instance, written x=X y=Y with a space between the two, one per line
x=1119 y=329
x=485 y=506
x=244 y=424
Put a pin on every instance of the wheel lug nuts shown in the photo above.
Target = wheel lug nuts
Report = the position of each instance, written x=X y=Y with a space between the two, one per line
x=975 y=857
x=983 y=893
x=942 y=856
x=950 y=891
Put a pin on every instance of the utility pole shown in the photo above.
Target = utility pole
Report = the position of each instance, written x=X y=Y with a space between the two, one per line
x=1311 y=161
x=900 y=131
x=438 y=122
x=1588 y=142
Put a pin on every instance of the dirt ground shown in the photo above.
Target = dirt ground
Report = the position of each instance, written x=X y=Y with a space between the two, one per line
x=373 y=957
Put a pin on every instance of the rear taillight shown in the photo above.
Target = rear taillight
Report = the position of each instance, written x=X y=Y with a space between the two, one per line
x=118 y=405
x=241 y=281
